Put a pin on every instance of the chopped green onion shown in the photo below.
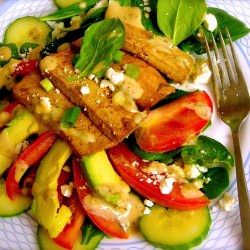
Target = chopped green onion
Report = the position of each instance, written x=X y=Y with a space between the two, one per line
x=70 y=117
x=132 y=70
x=47 y=85
x=118 y=56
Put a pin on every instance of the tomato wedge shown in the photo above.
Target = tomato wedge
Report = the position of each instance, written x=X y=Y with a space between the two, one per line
x=10 y=108
x=175 y=124
x=110 y=227
x=32 y=154
x=68 y=236
x=7 y=113
x=129 y=166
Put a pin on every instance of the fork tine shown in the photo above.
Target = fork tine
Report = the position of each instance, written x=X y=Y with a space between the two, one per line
x=231 y=74
x=238 y=73
x=217 y=80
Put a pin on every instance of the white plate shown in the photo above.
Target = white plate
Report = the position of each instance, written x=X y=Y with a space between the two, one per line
x=19 y=233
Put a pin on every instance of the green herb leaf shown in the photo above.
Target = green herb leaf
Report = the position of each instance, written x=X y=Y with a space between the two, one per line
x=26 y=47
x=70 y=117
x=207 y=152
x=101 y=42
x=178 y=19
x=13 y=52
x=236 y=27
x=218 y=182
x=70 y=11
x=173 y=96
x=165 y=157
x=92 y=236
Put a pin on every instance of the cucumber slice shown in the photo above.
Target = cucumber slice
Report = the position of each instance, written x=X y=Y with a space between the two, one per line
x=10 y=208
x=175 y=229
x=46 y=243
x=65 y=3
x=28 y=29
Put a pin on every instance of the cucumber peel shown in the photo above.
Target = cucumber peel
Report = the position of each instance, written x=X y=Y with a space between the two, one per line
x=175 y=229
x=28 y=29
x=11 y=208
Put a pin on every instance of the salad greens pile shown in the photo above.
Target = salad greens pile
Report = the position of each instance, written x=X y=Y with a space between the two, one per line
x=182 y=21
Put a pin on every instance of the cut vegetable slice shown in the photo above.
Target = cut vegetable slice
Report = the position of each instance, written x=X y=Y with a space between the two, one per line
x=65 y=3
x=175 y=229
x=10 y=208
x=28 y=29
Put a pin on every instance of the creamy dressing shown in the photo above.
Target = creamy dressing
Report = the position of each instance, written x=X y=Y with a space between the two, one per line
x=21 y=167
x=202 y=110
x=127 y=14
x=5 y=53
x=48 y=63
x=84 y=136
x=127 y=215
x=6 y=78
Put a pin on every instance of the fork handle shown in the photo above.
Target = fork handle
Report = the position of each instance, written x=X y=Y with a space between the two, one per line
x=243 y=197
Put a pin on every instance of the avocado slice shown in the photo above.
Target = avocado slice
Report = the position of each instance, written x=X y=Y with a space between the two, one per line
x=103 y=178
x=46 y=206
x=18 y=129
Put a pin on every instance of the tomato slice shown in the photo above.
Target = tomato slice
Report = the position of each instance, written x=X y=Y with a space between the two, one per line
x=71 y=231
x=10 y=108
x=130 y=165
x=32 y=154
x=25 y=67
x=110 y=227
x=175 y=124
x=8 y=113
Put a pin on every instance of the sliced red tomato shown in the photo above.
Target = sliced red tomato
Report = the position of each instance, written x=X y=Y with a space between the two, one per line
x=130 y=165
x=32 y=154
x=110 y=227
x=7 y=113
x=10 y=108
x=68 y=236
x=175 y=124
x=25 y=67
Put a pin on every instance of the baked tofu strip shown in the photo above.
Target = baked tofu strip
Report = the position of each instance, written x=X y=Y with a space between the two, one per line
x=154 y=85
x=112 y=119
x=49 y=107
x=159 y=52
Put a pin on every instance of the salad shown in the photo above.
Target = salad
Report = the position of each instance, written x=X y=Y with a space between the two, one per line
x=89 y=146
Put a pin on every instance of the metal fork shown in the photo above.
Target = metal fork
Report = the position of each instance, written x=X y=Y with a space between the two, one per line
x=233 y=104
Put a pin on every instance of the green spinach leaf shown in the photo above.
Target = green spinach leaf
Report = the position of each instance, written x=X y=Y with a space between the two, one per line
x=100 y=43
x=173 y=96
x=178 y=19
x=207 y=152
x=235 y=26
x=219 y=181
x=92 y=236
x=70 y=11
x=166 y=157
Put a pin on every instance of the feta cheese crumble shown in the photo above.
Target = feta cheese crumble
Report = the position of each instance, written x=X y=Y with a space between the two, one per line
x=210 y=22
x=85 y=90
x=166 y=185
x=228 y=202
